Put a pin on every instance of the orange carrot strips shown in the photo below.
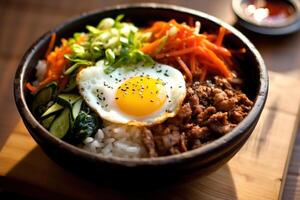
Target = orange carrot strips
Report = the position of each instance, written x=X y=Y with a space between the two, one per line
x=51 y=44
x=218 y=49
x=178 y=52
x=193 y=63
x=56 y=63
x=221 y=35
x=204 y=53
x=185 y=68
x=203 y=74
x=153 y=47
x=219 y=64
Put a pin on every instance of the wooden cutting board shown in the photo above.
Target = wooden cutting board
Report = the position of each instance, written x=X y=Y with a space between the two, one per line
x=256 y=172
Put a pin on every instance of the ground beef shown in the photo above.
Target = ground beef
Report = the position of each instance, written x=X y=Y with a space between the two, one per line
x=211 y=109
x=149 y=142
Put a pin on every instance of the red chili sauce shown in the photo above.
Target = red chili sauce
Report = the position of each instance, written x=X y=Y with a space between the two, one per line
x=270 y=12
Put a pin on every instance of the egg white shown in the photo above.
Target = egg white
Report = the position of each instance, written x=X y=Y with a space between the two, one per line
x=98 y=90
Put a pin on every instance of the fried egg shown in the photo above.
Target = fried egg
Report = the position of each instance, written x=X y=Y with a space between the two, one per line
x=139 y=95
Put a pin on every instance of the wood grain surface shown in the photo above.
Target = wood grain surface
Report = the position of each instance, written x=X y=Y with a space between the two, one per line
x=22 y=22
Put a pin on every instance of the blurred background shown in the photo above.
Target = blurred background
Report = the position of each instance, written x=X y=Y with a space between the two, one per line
x=23 y=21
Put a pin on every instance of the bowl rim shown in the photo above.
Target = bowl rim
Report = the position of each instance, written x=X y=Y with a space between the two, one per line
x=218 y=144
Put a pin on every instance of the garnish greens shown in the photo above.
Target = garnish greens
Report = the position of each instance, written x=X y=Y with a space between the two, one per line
x=116 y=42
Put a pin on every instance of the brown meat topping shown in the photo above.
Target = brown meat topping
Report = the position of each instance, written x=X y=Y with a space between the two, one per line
x=149 y=142
x=211 y=109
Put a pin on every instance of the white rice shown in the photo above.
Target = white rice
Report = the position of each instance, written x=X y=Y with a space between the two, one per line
x=117 y=140
x=41 y=69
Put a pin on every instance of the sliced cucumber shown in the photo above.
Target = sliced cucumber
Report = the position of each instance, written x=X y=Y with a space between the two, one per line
x=48 y=121
x=53 y=109
x=44 y=96
x=67 y=99
x=76 y=108
x=61 y=124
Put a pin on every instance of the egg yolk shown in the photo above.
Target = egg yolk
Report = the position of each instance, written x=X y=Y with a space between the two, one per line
x=140 y=96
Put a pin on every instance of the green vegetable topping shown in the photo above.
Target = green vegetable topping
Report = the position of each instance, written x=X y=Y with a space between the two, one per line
x=42 y=100
x=61 y=124
x=115 y=42
x=85 y=125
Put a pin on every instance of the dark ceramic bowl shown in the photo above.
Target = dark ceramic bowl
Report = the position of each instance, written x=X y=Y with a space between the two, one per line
x=201 y=160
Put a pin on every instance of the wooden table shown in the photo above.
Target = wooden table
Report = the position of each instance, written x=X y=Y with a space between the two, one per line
x=22 y=22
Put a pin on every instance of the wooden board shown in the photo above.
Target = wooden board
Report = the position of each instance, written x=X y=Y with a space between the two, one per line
x=257 y=172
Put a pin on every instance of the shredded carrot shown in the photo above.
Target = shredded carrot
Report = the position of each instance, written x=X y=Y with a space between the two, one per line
x=56 y=63
x=178 y=52
x=193 y=63
x=219 y=64
x=211 y=37
x=204 y=53
x=51 y=44
x=152 y=47
x=30 y=87
x=217 y=49
x=185 y=68
x=162 y=31
x=221 y=35
x=203 y=75
x=238 y=51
